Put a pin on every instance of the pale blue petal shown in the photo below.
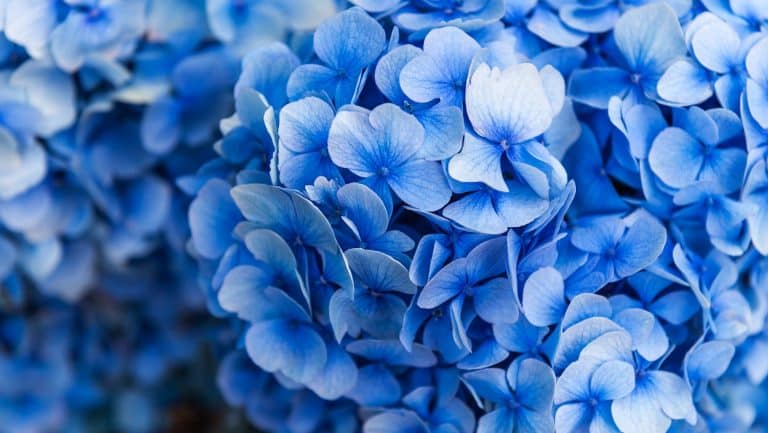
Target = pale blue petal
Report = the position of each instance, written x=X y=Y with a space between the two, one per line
x=443 y=131
x=676 y=307
x=319 y=81
x=518 y=337
x=673 y=395
x=395 y=421
x=490 y=383
x=365 y=209
x=495 y=301
x=728 y=89
x=478 y=161
x=598 y=236
x=302 y=169
x=588 y=19
x=548 y=26
x=212 y=217
x=288 y=214
x=650 y=38
x=614 y=345
x=377 y=6
x=338 y=375
x=639 y=412
x=573 y=385
x=379 y=272
x=585 y=306
x=716 y=46
x=304 y=125
x=272 y=345
x=684 y=83
x=421 y=184
x=757 y=99
x=352 y=142
x=612 y=380
x=161 y=126
x=721 y=166
x=757 y=62
x=32 y=23
x=485 y=355
x=520 y=205
x=487 y=259
x=500 y=420
x=267 y=70
x=533 y=384
x=709 y=360
x=476 y=212
x=640 y=246
x=269 y=248
x=392 y=352
x=543 y=297
x=446 y=284
x=535 y=422
x=388 y=69
x=349 y=41
x=376 y=386
x=573 y=418
x=48 y=90
x=613 y=82
x=305 y=14
x=578 y=336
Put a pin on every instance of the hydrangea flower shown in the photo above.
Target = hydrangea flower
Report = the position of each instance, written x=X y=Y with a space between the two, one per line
x=443 y=124
x=440 y=72
x=717 y=65
x=644 y=52
x=382 y=148
x=522 y=395
x=346 y=45
x=507 y=109
x=615 y=249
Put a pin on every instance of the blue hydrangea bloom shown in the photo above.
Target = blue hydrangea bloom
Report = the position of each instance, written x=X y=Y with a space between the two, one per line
x=382 y=148
x=523 y=394
x=389 y=216
x=346 y=45
x=718 y=68
x=644 y=52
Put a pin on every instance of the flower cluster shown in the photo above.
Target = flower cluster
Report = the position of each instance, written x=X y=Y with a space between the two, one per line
x=496 y=216
x=104 y=104
x=384 y=216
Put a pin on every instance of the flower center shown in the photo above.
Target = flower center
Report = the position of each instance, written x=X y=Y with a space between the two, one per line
x=383 y=171
x=95 y=14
